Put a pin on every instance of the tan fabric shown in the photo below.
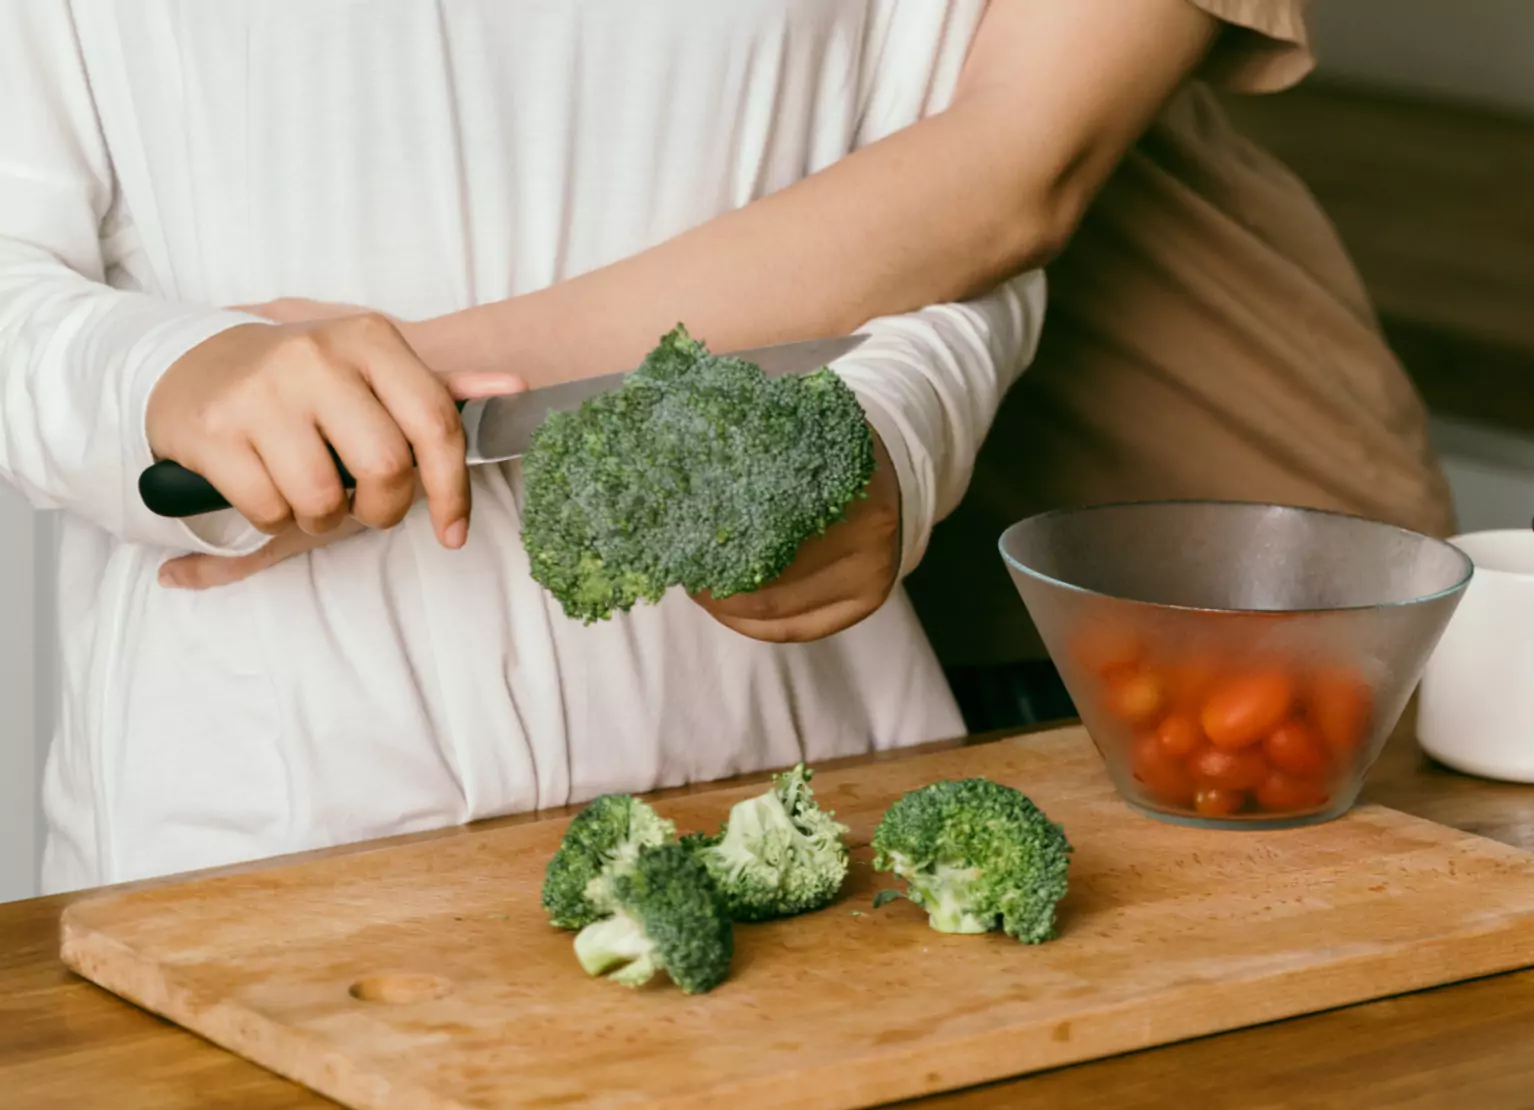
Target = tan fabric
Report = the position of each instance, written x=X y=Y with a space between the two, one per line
x=1207 y=336
x=1264 y=47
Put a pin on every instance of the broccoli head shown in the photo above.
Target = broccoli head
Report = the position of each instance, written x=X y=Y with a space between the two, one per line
x=698 y=471
x=602 y=841
x=666 y=917
x=976 y=855
x=778 y=854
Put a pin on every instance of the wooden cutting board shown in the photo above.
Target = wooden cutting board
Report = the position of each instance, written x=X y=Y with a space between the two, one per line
x=424 y=977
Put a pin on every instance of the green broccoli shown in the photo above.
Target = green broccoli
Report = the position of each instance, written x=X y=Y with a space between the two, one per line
x=698 y=471
x=976 y=855
x=602 y=841
x=779 y=853
x=666 y=917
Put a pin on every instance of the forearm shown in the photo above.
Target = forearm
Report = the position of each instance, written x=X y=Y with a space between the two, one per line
x=1050 y=98
x=873 y=234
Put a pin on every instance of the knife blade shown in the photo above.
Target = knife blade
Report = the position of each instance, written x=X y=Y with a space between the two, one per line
x=496 y=429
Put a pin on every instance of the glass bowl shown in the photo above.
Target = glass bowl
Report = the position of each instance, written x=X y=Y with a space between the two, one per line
x=1238 y=665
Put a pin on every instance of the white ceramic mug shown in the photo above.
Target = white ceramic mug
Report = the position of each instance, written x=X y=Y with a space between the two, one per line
x=1475 y=709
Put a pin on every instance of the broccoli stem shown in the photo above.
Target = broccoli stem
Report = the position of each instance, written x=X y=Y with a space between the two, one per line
x=945 y=895
x=617 y=948
x=751 y=825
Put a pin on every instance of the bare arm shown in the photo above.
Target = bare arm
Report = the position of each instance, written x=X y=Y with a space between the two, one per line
x=1051 y=97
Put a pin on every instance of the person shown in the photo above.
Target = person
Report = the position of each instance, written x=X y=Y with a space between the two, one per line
x=1209 y=336
x=425 y=162
x=419 y=158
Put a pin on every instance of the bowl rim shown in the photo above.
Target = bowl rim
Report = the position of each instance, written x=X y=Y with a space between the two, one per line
x=1467 y=564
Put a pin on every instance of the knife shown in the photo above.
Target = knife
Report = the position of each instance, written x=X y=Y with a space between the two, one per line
x=496 y=429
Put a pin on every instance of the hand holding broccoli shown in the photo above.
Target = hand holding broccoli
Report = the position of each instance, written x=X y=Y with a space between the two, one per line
x=700 y=472
x=837 y=578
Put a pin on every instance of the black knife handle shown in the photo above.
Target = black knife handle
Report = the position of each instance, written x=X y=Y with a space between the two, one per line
x=170 y=489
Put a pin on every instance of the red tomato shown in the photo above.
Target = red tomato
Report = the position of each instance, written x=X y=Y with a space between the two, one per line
x=1213 y=801
x=1179 y=736
x=1134 y=695
x=1340 y=705
x=1294 y=747
x=1243 y=709
x=1187 y=682
x=1285 y=793
x=1228 y=769
x=1164 y=778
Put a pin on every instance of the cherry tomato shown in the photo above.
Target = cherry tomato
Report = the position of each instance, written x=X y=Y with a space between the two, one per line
x=1285 y=793
x=1214 y=801
x=1133 y=695
x=1179 y=735
x=1243 y=709
x=1340 y=703
x=1164 y=778
x=1187 y=682
x=1102 y=647
x=1229 y=769
x=1294 y=747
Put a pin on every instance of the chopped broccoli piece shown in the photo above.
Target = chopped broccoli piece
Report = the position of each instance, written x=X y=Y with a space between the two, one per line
x=666 y=917
x=778 y=854
x=698 y=471
x=976 y=855
x=602 y=841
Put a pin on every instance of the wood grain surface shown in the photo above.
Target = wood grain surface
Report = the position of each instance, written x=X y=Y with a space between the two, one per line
x=1169 y=933
x=66 y=1045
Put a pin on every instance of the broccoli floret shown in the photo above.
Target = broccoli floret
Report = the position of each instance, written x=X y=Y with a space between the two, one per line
x=666 y=917
x=778 y=854
x=976 y=855
x=698 y=471
x=603 y=840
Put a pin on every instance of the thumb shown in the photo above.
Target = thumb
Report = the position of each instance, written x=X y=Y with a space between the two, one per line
x=472 y=385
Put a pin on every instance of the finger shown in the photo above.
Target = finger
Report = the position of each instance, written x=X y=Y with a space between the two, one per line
x=296 y=457
x=242 y=478
x=474 y=384
x=370 y=443
x=204 y=572
x=805 y=628
x=858 y=531
x=422 y=407
x=851 y=573
x=816 y=554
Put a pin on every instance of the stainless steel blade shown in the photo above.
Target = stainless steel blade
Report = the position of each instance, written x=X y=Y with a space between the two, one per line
x=501 y=428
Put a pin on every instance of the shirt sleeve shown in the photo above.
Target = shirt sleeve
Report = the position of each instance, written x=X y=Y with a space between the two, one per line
x=78 y=359
x=1265 y=46
x=930 y=383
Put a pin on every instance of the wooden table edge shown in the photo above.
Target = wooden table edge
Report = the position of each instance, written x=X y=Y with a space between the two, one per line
x=1516 y=988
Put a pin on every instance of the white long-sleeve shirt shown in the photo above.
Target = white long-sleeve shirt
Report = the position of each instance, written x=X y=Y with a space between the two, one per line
x=161 y=159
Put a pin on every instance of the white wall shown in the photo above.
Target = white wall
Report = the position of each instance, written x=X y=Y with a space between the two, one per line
x=1491 y=473
x=19 y=746
x=1476 y=51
